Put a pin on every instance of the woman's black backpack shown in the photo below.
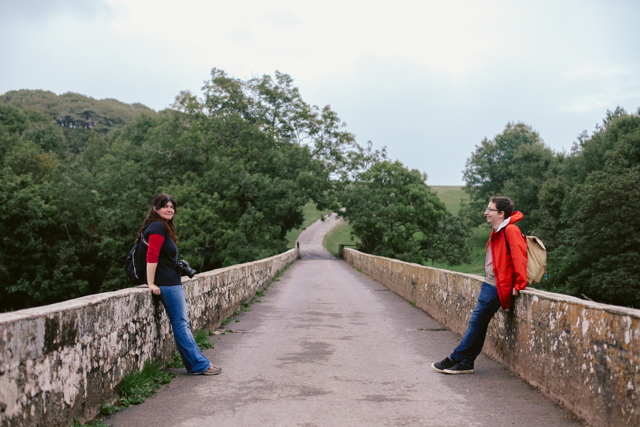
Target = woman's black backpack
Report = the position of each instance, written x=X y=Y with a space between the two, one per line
x=136 y=262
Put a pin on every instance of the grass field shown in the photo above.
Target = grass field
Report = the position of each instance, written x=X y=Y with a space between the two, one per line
x=311 y=215
x=339 y=234
x=451 y=197
x=477 y=265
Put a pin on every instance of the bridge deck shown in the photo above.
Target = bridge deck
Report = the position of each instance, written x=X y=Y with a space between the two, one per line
x=327 y=346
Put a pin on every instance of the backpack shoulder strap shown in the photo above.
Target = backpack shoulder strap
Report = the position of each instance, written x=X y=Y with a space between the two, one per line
x=504 y=232
x=142 y=239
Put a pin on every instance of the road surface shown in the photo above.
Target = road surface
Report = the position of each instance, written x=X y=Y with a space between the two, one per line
x=327 y=346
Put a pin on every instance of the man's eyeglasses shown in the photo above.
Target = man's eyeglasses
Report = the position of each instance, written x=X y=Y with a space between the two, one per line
x=492 y=210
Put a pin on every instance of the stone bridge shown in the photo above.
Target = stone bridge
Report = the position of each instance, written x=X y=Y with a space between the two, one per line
x=330 y=343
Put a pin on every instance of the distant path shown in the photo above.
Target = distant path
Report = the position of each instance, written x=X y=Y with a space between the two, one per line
x=311 y=239
x=327 y=346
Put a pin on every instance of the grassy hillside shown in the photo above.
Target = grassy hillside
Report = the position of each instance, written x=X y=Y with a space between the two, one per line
x=451 y=196
x=341 y=233
x=76 y=114
x=311 y=215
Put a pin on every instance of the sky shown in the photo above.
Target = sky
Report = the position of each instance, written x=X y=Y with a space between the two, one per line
x=427 y=79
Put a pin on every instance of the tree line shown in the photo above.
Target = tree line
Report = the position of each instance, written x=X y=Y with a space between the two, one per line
x=583 y=203
x=242 y=158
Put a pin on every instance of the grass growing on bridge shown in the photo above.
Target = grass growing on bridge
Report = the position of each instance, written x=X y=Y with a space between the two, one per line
x=137 y=386
x=93 y=423
x=202 y=340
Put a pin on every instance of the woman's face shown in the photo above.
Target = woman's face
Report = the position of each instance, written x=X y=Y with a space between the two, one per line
x=167 y=211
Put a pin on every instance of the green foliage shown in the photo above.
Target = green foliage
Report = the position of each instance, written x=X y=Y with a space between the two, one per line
x=137 y=386
x=202 y=340
x=341 y=233
x=94 y=423
x=311 y=214
x=583 y=204
x=454 y=199
x=512 y=164
x=598 y=253
x=476 y=265
x=452 y=196
x=43 y=243
x=395 y=214
x=176 y=361
x=77 y=115
x=242 y=162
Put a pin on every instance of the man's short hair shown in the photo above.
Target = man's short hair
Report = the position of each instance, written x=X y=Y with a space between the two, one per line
x=503 y=204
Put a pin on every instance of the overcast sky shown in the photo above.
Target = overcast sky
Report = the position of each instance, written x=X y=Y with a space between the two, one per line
x=427 y=79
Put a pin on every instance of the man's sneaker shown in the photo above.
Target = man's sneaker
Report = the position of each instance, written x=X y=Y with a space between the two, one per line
x=459 y=368
x=441 y=366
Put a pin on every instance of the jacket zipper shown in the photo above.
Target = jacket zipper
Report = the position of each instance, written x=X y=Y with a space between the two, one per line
x=493 y=265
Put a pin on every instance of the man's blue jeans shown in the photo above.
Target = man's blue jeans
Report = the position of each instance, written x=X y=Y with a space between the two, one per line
x=473 y=340
x=175 y=305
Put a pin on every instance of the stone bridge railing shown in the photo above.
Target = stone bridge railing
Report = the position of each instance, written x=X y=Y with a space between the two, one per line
x=63 y=360
x=580 y=353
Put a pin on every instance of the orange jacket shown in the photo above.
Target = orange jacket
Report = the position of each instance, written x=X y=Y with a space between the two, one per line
x=510 y=270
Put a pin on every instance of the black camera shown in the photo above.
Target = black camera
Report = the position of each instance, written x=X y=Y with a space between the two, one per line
x=183 y=267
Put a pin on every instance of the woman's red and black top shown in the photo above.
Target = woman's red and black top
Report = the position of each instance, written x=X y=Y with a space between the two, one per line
x=162 y=250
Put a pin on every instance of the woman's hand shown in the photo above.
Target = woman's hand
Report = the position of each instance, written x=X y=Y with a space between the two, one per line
x=151 y=277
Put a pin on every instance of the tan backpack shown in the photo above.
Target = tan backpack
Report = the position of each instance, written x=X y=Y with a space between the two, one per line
x=536 y=258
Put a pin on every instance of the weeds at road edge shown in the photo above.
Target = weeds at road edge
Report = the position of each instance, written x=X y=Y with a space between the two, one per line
x=94 y=423
x=202 y=339
x=137 y=386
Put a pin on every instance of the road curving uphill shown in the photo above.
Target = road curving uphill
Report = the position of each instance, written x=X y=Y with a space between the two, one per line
x=310 y=240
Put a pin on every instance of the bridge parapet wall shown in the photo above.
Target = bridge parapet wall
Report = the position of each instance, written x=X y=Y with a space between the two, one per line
x=63 y=360
x=580 y=353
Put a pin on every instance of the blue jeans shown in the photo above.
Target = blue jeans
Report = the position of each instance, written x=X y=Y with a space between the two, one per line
x=473 y=340
x=175 y=305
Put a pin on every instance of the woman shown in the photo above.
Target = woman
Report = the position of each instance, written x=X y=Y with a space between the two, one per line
x=163 y=278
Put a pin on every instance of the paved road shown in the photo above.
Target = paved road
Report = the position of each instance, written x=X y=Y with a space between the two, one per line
x=310 y=240
x=329 y=347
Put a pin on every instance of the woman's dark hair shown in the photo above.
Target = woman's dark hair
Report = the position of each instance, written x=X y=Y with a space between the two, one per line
x=160 y=201
x=503 y=204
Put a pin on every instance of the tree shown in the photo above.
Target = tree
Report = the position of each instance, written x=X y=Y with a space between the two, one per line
x=77 y=115
x=597 y=255
x=513 y=164
x=395 y=214
x=241 y=161
x=44 y=246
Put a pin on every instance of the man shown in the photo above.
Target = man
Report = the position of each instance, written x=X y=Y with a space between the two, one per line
x=505 y=269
